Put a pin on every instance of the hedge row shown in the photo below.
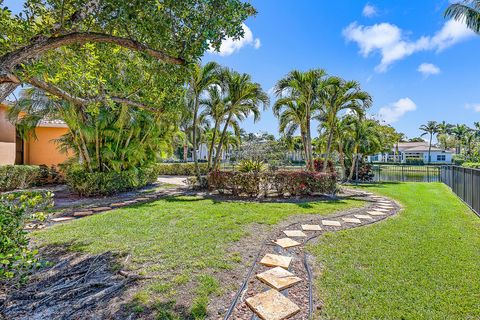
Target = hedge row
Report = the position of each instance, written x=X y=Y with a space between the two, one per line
x=105 y=183
x=473 y=165
x=284 y=183
x=18 y=177
x=180 y=169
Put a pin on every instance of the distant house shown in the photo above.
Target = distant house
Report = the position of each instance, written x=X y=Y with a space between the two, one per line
x=42 y=150
x=414 y=151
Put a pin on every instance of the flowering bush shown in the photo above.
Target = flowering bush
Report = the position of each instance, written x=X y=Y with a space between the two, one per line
x=318 y=165
x=284 y=183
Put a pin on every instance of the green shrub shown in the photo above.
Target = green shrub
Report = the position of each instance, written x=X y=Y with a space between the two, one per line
x=105 y=183
x=16 y=208
x=251 y=166
x=415 y=161
x=180 y=169
x=18 y=176
x=291 y=183
x=474 y=165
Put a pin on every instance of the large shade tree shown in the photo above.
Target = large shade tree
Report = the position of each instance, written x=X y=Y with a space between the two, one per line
x=175 y=32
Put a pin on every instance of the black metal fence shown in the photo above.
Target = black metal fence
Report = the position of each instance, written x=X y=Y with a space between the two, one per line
x=406 y=173
x=465 y=183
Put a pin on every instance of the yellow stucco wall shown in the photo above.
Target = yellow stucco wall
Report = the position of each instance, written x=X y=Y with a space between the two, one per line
x=44 y=150
x=7 y=130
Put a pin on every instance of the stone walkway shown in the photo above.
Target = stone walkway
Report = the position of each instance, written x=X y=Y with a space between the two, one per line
x=279 y=285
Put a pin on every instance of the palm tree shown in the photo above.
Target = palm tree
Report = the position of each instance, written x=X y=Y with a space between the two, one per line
x=292 y=117
x=340 y=95
x=431 y=128
x=215 y=108
x=201 y=78
x=459 y=131
x=467 y=11
x=301 y=90
x=443 y=130
x=244 y=98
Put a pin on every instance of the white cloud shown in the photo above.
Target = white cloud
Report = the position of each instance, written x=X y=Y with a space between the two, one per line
x=390 y=41
x=230 y=46
x=393 y=112
x=473 y=106
x=428 y=69
x=369 y=11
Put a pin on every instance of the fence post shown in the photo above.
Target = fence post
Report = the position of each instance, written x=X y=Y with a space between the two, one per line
x=428 y=174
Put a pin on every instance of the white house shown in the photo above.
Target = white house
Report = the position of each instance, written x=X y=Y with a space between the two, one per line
x=414 y=151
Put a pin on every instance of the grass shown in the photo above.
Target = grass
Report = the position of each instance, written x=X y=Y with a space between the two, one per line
x=180 y=241
x=422 y=264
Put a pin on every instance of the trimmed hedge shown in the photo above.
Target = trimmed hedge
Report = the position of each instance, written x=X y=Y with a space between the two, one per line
x=105 y=183
x=180 y=169
x=284 y=183
x=18 y=176
x=318 y=165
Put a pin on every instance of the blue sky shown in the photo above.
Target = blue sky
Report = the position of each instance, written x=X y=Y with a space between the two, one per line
x=416 y=65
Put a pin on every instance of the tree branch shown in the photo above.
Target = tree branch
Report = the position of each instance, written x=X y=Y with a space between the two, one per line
x=79 y=101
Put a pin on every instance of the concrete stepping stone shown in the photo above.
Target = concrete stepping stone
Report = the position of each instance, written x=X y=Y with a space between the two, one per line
x=311 y=227
x=386 y=207
x=117 y=204
x=142 y=199
x=294 y=233
x=82 y=213
x=130 y=202
x=98 y=209
x=352 y=220
x=377 y=213
x=380 y=209
x=331 y=223
x=274 y=260
x=272 y=305
x=363 y=216
x=286 y=243
x=278 y=278
x=61 y=219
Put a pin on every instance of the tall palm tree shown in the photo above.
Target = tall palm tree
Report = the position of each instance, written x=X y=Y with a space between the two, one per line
x=215 y=108
x=431 y=128
x=467 y=11
x=340 y=95
x=443 y=130
x=244 y=98
x=301 y=90
x=201 y=78
x=291 y=117
x=459 y=131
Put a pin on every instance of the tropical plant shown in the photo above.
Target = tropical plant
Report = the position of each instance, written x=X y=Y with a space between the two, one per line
x=244 y=98
x=459 y=131
x=340 y=95
x=201 y=79
x=467 y=12
x=443 y=132
x=298 y=94
x=431 y=128
x=251 y=166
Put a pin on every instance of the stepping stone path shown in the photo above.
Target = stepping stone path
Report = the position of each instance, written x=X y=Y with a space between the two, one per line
x=116 y=203
x=278 y=287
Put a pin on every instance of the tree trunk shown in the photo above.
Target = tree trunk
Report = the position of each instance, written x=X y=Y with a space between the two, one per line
x=429 y=149
x=212 y=145
x=194 y=139
x=329 y=146
x=342 y=161
x=354 y=162
x=220 y=143
x=185 y=152
x=7 y=89
x=309 y=144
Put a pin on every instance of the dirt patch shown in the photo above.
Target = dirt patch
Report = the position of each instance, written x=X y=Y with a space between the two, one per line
x=76 y=286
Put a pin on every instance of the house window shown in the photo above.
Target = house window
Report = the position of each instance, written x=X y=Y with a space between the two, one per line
x=441 y=157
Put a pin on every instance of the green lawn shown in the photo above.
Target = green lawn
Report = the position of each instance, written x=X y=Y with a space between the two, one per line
x=422 y=264
x=181 y=241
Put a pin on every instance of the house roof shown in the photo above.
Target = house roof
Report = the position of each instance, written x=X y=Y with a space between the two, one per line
x=421 y=146
x=52 y=123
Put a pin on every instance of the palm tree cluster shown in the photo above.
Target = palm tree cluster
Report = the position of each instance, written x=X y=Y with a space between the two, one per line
x=340 y=108
x=467 y=11
x=464 y=139
x=114 y=138
x=219 y=99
